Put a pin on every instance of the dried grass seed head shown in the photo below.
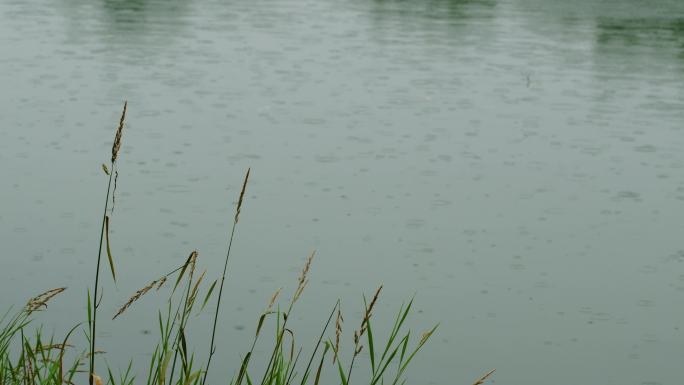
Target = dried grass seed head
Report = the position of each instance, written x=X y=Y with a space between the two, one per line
x=41 y=300
x=119 y=131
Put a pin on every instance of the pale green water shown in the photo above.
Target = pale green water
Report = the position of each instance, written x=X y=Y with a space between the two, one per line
x=517 y=163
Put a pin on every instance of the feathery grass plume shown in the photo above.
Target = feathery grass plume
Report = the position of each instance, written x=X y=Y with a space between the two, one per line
x=242 y=196
x=364 y=323
x=193 y=263
x=482 y=379
x=338 y=333
x=362 y=330
x=162 y=281
x=369 y=311
x=53 y=347
x=212 y=347
x=158 y=282
x=40 y=301
x=273 y=300
x=117 y=138
x=141 y=292
x=303 y=277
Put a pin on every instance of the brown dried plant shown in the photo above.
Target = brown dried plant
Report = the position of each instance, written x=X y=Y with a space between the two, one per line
x=119 y=131
x=40 y=301
x=138 y=294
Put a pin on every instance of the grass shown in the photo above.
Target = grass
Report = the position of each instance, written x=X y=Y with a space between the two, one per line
x=28 y=358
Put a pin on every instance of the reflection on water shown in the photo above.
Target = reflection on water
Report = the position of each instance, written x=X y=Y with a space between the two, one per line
x=452 y=12
x=137 y=18
x=516 y=163
x=647 y=37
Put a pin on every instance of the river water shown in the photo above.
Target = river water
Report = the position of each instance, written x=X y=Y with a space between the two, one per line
x=517 y=164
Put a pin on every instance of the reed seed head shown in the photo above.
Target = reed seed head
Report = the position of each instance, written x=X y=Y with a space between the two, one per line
x=273 y=300
x=369 y=312
x=242 y=196
x=117 y=139
x=38 y=302
x=161 y=283
x=193 y=294
x=49 y=347
x=136 y=297
x=338 y=332
x=303 y=276
x=193 y=263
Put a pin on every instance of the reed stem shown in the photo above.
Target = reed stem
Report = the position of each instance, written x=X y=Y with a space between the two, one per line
x=91 y=370
x=116 y=146
x=212 y=347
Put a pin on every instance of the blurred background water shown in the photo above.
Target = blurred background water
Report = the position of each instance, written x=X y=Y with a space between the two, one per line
x=515 y=163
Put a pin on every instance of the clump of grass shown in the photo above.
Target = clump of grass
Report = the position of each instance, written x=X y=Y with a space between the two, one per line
x=27 y=358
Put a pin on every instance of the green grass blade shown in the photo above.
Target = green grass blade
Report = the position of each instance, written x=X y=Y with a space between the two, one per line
x=422 y=342
x=343 y=378
x=320 y=366
x=371 y=349
x=180 y=275
x=109 y=250
x=90 y=310
x=164 y=366
x=403 y=348
x=206 y=298
x=382 y=371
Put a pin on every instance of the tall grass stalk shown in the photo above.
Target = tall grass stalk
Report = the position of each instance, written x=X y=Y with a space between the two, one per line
x=212 y=347
x=116 y=145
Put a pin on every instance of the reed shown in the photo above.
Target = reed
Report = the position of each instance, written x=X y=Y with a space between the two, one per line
x=212 y=347
x=95 y=304
x=139 y=293
x=40 y=301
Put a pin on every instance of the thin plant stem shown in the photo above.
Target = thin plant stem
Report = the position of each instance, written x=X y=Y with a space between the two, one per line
x=212 y=347
x=116 y=146
x=181 y=327
x=351 y=366
x=308 y=366
x=91 y=370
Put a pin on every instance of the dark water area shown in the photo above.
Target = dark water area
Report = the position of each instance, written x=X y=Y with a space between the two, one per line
x=518 y=164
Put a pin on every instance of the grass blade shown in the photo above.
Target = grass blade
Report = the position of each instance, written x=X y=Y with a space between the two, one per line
x=206 y=298
x=320 y=366
x=109 y=250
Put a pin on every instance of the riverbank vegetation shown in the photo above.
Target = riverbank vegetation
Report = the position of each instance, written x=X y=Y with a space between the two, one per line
x=29 y=357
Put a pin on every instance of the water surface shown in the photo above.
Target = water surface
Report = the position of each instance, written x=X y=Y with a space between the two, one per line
x=516 y=163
